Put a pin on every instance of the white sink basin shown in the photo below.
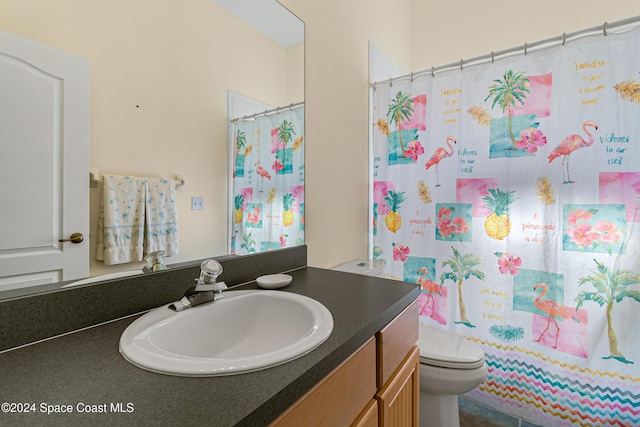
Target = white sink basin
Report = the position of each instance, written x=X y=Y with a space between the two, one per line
x=243 y=332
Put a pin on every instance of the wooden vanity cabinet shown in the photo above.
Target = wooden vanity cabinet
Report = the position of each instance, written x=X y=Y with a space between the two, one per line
x=378 y=385
x=398 y=376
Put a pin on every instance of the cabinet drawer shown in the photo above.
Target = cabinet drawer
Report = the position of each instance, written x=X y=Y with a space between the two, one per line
x=394 y=341
x=340 y=396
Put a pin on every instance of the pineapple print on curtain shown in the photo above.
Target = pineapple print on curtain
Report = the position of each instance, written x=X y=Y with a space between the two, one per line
x=268 y=182
x=510 y=193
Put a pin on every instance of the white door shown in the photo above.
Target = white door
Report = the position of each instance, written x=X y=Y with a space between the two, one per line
x=44 y=163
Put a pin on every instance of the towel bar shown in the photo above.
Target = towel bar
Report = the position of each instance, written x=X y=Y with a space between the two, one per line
x=95 y=178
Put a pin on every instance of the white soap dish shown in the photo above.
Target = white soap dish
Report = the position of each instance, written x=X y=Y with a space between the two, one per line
x=273 y=281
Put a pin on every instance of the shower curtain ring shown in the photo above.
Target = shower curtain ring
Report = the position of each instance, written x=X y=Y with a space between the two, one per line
x=390 y=82
x=412 y=77
x=604 y=29
x=291 y=107
x=433 y=69
x=492 y=57
x=564 y=38
x=461 y=65
x=525 y=48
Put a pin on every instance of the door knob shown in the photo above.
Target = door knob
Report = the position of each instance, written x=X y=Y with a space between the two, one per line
x=74 y=238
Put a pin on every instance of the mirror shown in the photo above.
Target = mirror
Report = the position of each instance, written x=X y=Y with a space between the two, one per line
x=160 y=74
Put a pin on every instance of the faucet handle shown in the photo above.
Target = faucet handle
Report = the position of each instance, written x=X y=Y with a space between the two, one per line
x=210 y=269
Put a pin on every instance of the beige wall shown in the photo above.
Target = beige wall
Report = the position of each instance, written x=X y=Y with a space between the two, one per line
x=444 y=32
x=336 y=108
x=160 y=71
x=418 y=33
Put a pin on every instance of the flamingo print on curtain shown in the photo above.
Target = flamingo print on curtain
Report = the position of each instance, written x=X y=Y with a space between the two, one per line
x=509 y=192
x=268 y=182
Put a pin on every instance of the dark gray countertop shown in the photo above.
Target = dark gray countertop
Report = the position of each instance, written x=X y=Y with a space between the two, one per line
x=85 y=371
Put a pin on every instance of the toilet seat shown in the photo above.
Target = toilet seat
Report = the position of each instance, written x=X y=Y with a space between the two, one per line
x=448 y=350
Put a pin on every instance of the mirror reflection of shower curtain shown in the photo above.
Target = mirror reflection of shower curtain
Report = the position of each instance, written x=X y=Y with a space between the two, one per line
x=268 y=182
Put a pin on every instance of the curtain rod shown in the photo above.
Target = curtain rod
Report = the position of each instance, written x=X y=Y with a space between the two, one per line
x=266 y=113
x=604 y=29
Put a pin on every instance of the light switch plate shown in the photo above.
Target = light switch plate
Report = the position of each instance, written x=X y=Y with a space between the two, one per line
x=197 y=203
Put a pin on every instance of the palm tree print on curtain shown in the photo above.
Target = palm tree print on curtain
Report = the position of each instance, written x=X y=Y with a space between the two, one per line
x=283 y=164
x=460 y=268
x=407 y=114
x=611 y=287
x=400 y=109
x=508 y=93
x=241 y=141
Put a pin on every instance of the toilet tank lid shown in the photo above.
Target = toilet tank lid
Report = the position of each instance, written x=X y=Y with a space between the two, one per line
x=367 y=267
x=447 y=349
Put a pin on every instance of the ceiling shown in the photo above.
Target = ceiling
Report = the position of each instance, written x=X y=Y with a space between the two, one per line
x=269 y=17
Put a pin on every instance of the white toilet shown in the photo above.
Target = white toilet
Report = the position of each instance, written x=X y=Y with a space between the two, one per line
x=449 y=365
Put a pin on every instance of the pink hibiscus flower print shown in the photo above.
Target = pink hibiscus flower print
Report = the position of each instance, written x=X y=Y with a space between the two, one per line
x=400 y=252
x=414 y=150
x=531 y=139
x=449 y=226
x=459 y=225
x=254 y=217
x=607 y=231
x=578 y=215
x=443 y=212
x=582 y=235
x=445 y=227
x=277 y=166
x=507 y=263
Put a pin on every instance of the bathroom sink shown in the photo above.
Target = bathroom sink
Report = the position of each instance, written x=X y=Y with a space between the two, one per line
x=243 y=332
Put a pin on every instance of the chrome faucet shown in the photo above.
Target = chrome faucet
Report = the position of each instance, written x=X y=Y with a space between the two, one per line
x=206 y=288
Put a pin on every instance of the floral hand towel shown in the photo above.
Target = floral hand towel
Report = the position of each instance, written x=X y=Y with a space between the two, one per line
x=161 y=217
x=121 y=221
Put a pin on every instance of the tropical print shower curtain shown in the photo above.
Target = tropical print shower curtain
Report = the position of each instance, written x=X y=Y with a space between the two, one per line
x=268 y=182
x=510 y=192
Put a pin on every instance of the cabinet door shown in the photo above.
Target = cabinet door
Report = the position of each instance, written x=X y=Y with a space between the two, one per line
x=399 y=399
x=368 y=417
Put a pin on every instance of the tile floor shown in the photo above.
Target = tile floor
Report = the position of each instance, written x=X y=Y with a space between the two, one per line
x=473 y=414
